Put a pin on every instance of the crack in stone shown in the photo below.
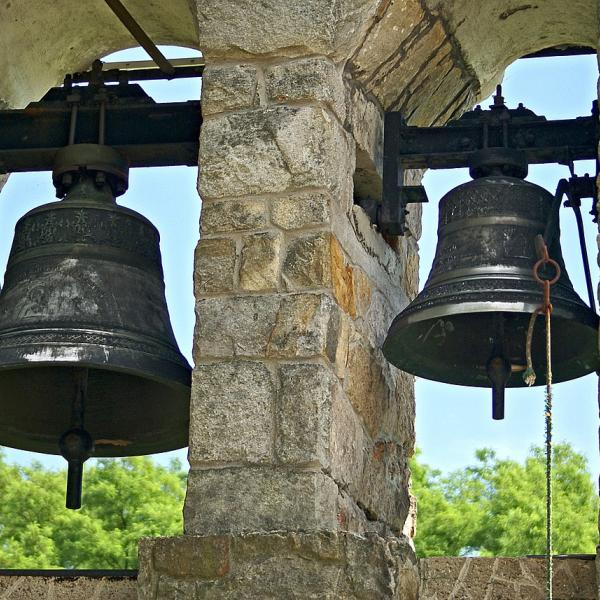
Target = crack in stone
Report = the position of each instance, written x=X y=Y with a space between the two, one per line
x=511 y=11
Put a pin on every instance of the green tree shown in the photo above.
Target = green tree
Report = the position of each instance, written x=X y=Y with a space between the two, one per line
x=497 y=506
x=123 y=500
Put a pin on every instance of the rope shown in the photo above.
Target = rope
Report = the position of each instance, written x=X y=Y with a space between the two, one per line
x=548 y=419
x=529 y=377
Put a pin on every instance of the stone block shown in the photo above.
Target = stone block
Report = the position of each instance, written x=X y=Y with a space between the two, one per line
x=363 y=292
x=304 y=413
x=383 y=490
x=307 y=80
x=37 y=586
x=373 y=472
x=505 y=578
x=316 y=260
x=259 y=265
x=228 y=87
x=231 y=417
x=366 y=123
x=419 y=59
x=421 y=101
x=246 y=499
x=381 y=313
x=214 y=266
x=390 y=32
x=170 y=567
x=238 y=326
x=307 y=262
x=295 y=566
x=301 y=210
x=232 y=216
x=369 y=250
x=306 y=325
x=411 y=269
x=342 y=279
x=366 y=385
x=267 y=326
x=272 y=150
x=348 y=444
x=190 y=556
x=404 y=417
x=295 y=28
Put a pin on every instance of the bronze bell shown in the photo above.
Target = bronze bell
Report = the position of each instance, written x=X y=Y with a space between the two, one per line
x=88 y=359
x=468 y=326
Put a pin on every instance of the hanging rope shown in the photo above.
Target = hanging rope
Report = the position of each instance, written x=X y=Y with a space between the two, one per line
x=529 y=378
x=548 y=419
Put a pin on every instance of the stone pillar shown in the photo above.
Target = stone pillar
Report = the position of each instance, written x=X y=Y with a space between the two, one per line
x=300 y=430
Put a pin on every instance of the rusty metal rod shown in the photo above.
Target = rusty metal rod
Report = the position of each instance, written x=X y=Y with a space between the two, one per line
x=584 y=255
x=140 y=35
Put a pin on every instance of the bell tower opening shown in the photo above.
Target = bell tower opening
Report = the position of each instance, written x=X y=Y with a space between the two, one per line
x=454 y=422
x=167 y=198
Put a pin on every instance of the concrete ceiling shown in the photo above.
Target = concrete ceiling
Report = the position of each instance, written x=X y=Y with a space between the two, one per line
x=429 y=58
x=491 y=34
x=41 y=41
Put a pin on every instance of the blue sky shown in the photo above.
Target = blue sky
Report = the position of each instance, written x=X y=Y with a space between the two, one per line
x=452 y=422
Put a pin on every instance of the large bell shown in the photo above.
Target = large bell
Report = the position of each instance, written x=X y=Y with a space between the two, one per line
x=86 y=345
x=468 y=326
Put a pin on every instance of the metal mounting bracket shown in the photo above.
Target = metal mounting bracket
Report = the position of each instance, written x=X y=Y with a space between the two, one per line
x=499 y=131
x=144 y=132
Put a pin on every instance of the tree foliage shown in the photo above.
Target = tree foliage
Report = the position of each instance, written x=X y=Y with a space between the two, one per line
x=123 y=500
x=497 y=506
x=494 y=507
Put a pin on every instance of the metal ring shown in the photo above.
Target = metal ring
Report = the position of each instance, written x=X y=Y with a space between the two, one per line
x=544 y=261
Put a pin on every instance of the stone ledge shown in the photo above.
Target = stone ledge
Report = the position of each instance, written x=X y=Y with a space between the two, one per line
x=318 y=566
x=503 y=578
x=24 y=586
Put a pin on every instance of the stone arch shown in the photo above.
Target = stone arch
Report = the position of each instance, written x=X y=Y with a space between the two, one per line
x=428 y=58
x=432 y=59
x=39 y=45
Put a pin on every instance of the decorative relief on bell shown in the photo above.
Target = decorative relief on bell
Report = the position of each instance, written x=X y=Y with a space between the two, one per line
x=56 y=224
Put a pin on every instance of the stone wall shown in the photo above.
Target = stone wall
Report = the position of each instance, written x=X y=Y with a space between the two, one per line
x=298 y=422
x=453 y=578
x=60 y=587
x=301 y=566
x=300 y=430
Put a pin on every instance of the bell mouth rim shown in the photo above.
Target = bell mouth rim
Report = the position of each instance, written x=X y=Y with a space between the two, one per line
x=101 y=450
x=169 y=366
x=400 y=347
x=173 y=436
x=423 y=314
x=506 y=272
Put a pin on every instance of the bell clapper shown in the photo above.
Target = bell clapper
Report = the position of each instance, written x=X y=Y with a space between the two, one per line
x=498 y=371
x=498 y=367
x=76 y=444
